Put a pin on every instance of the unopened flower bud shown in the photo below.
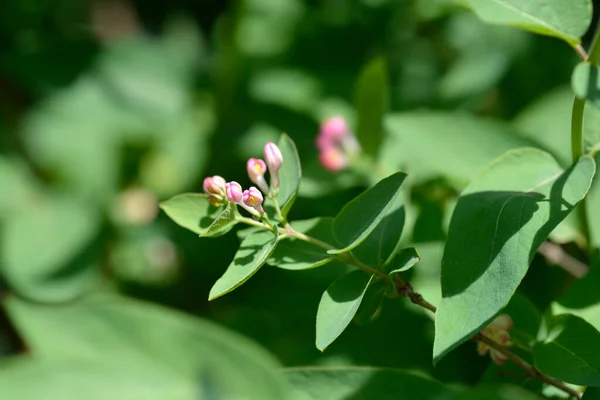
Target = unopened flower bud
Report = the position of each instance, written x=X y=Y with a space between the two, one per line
x=333 y=159
x=253 y=199
x=274 y=161
x=497 y=330
x=214 y=186
x=234 y=192
x=334 y=128
x=256 y=171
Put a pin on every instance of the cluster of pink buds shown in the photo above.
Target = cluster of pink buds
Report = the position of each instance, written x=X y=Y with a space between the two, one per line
x=497 y=330
x=251 y=200
x=336 y=144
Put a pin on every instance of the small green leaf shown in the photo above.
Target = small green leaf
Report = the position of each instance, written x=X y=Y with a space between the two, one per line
x=191 y=211
x=223 y=223
x=497 y=392
x=371 y=101
x=295 y=254
x=591 y=393
x=362 y=383
x=380 y=245
x=338 y=306
x=252 y=254
x=499 y=222
x=567 y=20
x=585 y=82
x=361 y=216
x=290 y=174
x=403 y=261
x=372 y=301
x=570 y=351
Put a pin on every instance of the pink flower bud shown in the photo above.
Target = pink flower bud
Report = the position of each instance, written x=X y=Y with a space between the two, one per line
x=497 y=330
x=253 y=199
x=334 y=128
x=234 y=192
x=333 y=159
x=274 y=161
x=256 y=171
x=214 y=186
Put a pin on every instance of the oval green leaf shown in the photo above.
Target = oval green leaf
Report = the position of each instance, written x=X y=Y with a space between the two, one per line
x=585 y=82
x=295 y=254
x=290 y=174
x=338 y=306
x=362 y=383
x=191 y=211
x=371 y=101
x=223 y=223
x=361 y=216
x=567 y=20
x=569 y=351
x=252 y=254
x=499 y=222
x=403 y=261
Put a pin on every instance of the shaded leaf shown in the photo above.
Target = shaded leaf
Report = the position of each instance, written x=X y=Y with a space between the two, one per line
x=296 y=254
x=290 y=174
x=403 y=261
x=191 y=211
x=591 y=393
x=338 y=306
x=359 y=218
x=362 y=383
x=569 y=350
x=371 y=101
x=252 y=254
x=223 y=223
x=499 y=222
x=567 y=20
x=586 y=83
x=372 y=301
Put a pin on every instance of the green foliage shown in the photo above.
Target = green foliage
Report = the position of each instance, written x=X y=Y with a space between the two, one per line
x=586 y=83
x=194 y=212
x=338 y=305
x=289 y=174
x=359 y=218
x=371 y=102
x=591 y=393
x=564 y=20
x=568 y=350
x=403 y=261
x=254 y=251
x=500 y=220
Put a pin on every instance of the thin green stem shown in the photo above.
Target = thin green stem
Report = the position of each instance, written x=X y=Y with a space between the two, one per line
x=278 y=210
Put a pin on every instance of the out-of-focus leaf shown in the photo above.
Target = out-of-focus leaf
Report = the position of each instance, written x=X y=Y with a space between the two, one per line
x=564 y=20
x=144 y=351
x=591 y=393
x=473 y=74
x=500 y=220
x=359 y=218
x=568 y=350
x=295 y=254
x=371 y=100
x=504 y=392
x=431 y=144
x=252 y=254
x=586 y=83
x=362 y=383
x=338 y=305
x=18 y=186
x=46 y=249
x=291 y=89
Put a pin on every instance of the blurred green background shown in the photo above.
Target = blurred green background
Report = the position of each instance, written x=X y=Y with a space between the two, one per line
x=108 y=107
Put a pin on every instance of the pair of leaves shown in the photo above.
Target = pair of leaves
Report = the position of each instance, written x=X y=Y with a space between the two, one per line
x=111 y=347
x=499 y=222
x=567 y=20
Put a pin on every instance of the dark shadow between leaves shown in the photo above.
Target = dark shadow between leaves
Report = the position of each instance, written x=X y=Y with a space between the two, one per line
x=482 y=224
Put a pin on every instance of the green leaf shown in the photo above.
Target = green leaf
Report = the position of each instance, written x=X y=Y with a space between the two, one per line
x=496 y=392
x=223 y=223
x=290 y=174
x=499 y=222
x=110 y=347
x=453 y=145
x=338 y=306
x=403 y=261
x=252 y=254
x=371 y=101
x=362 y=383
x=591 y=393
x=47 y=252
x=586 y=83
x=192 y=211
x=361 y=216
x=296 y=254
x=567 y=20
x=380 y=245
x=372 y=301
x=569 y=351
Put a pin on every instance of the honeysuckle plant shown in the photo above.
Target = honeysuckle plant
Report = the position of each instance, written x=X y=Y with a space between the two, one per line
x=500 y=220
